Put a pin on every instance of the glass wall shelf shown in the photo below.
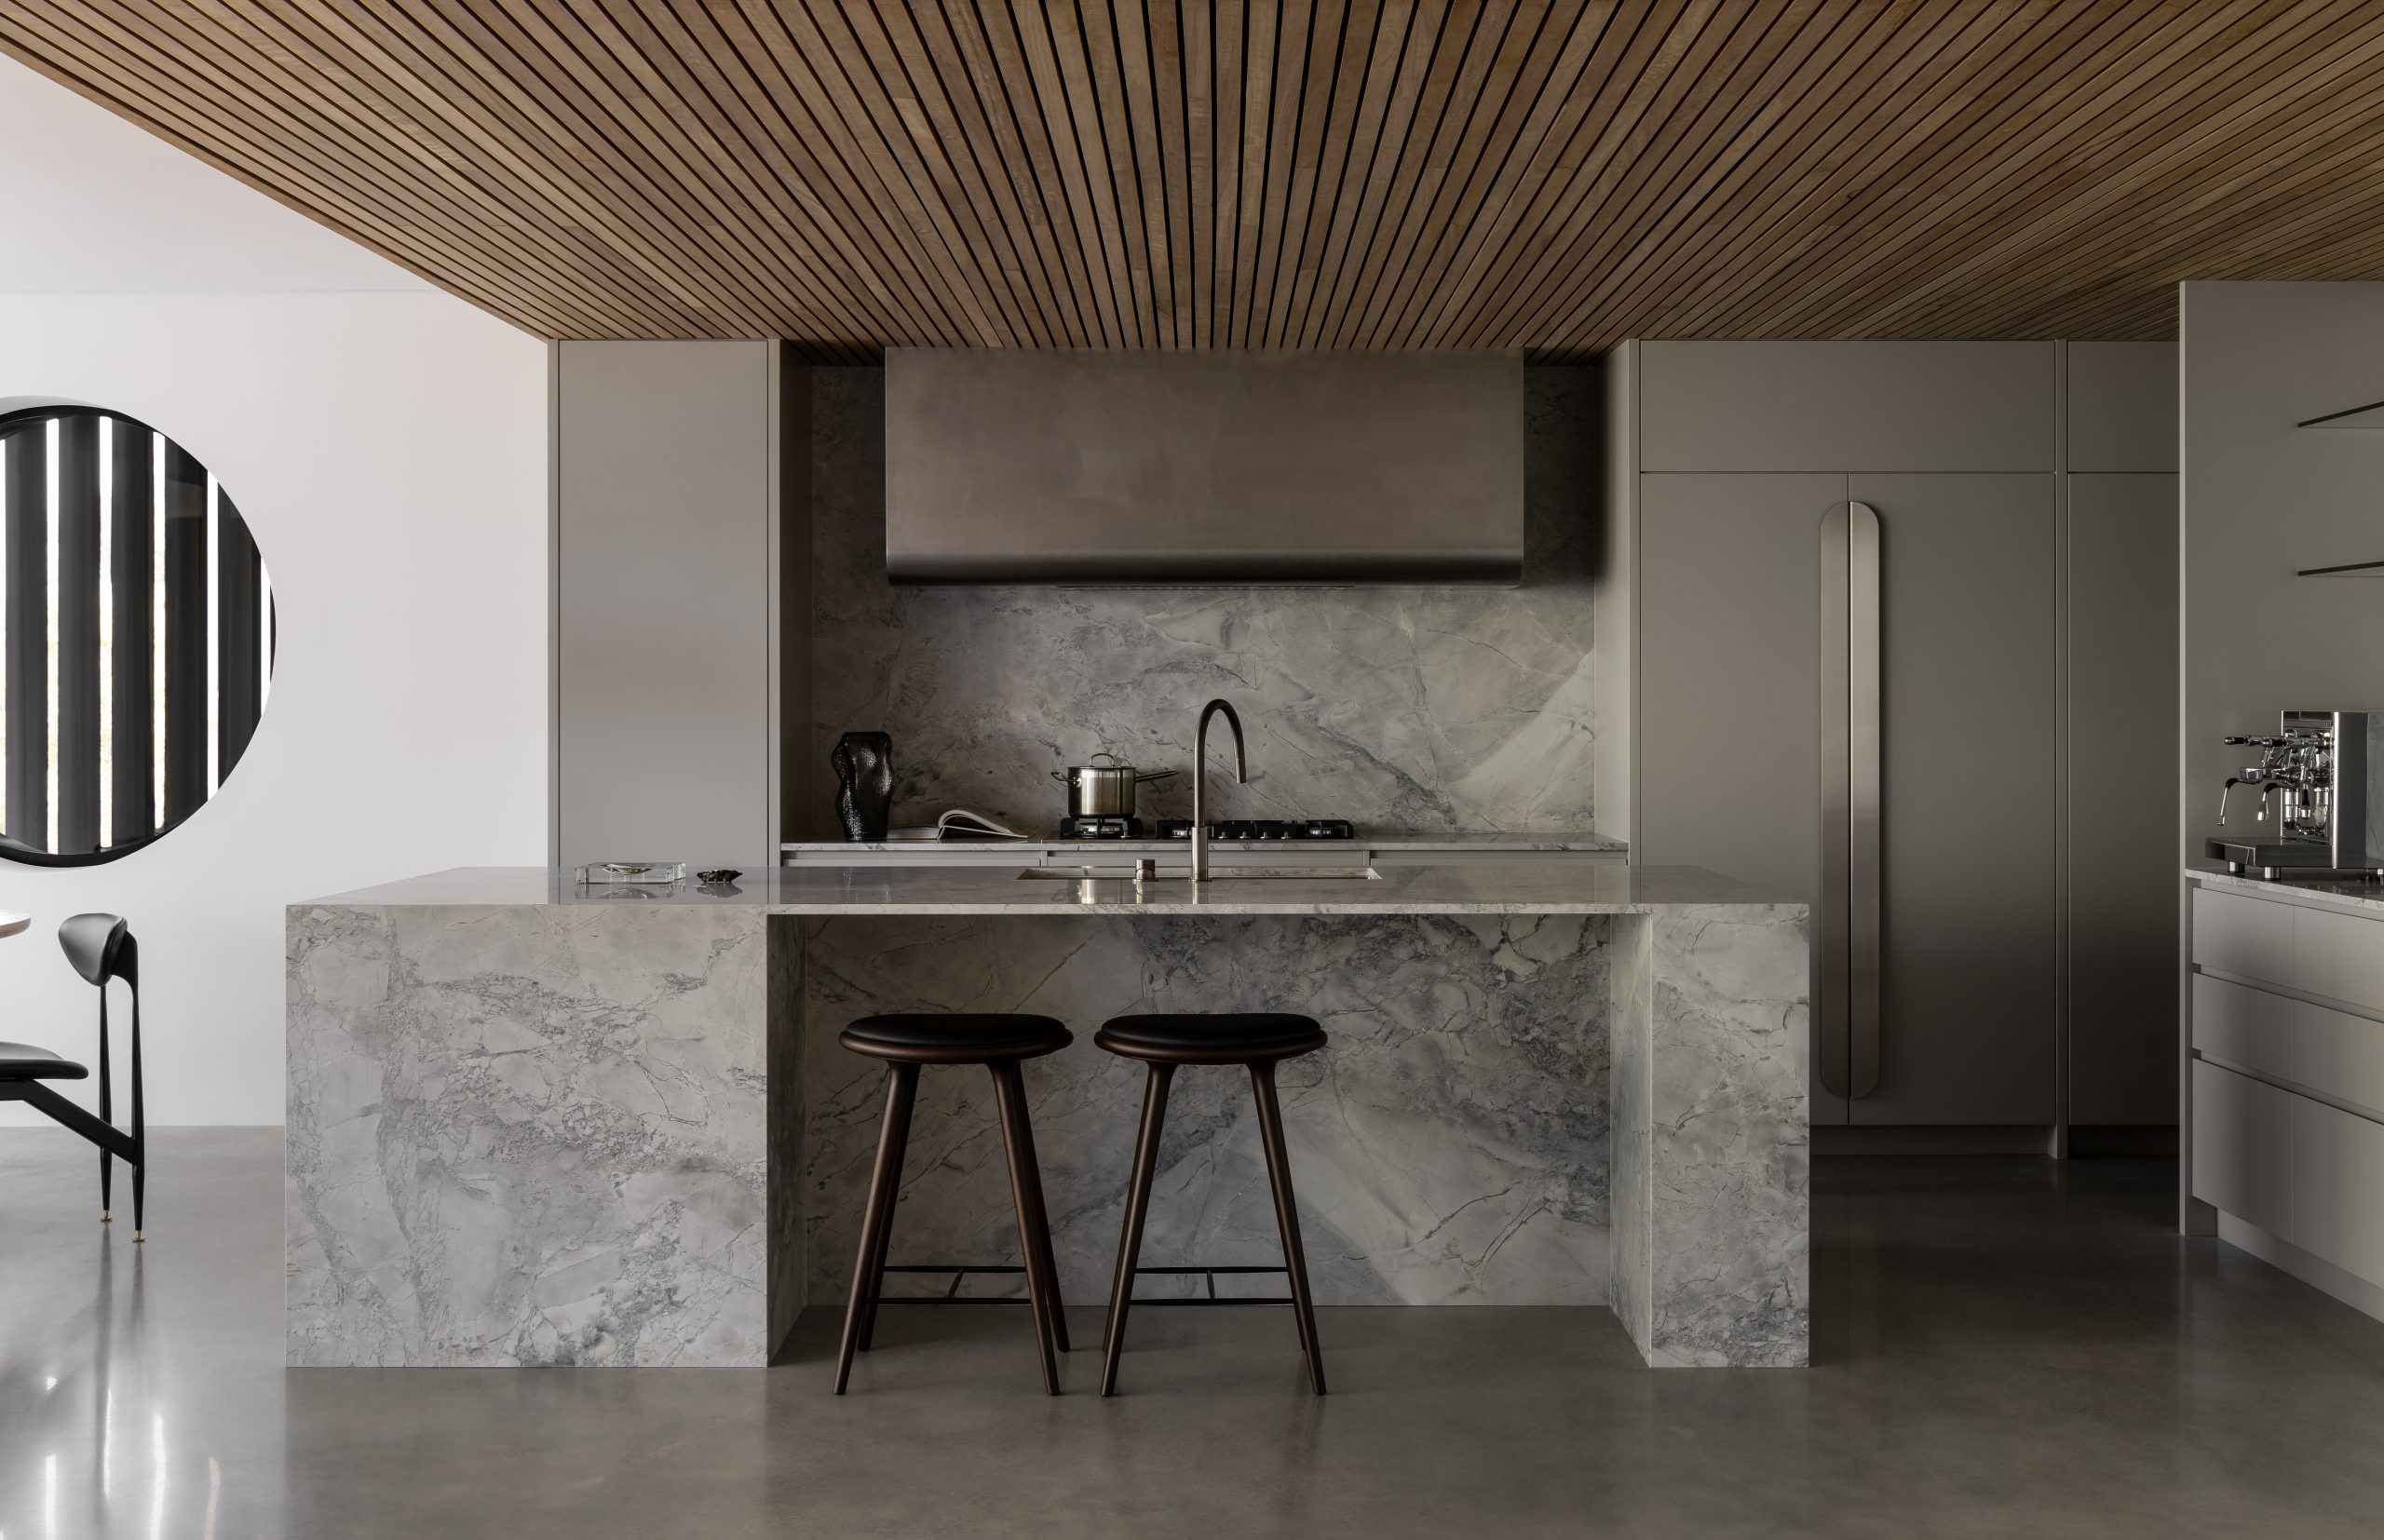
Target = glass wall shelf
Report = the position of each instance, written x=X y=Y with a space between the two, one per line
x=2370 y=416
x=2356 y=569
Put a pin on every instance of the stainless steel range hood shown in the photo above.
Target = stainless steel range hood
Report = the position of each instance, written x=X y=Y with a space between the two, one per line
x=1086 y=465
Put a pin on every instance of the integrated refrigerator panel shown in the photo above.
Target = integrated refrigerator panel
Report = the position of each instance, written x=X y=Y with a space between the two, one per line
x=1970 y=750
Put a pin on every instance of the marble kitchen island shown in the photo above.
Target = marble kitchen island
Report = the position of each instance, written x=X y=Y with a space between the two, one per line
x=530 y=1123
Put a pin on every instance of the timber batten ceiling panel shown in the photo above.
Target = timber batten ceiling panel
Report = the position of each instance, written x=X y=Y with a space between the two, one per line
x=1551 y=175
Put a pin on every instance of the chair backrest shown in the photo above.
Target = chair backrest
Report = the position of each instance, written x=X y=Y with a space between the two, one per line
x=98 y=945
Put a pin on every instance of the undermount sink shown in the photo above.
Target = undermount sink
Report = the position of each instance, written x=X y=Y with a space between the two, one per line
x=1216 y=875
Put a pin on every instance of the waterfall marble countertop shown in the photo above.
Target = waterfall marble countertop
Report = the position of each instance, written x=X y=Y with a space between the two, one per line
x=1523 y=887
x=2351 y=895
x=1456 y=844
x=534 y=1122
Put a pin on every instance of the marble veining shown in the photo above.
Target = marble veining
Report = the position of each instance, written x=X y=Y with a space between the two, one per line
x=525 y=1136
x=1709 y=1107
x=1449 y=1146
x=1416 y=708
x=1631 y=984
x=787 y=1106
x=534 y=1128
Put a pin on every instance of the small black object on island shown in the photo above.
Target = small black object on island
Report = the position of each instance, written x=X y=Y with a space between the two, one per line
x=720 y=874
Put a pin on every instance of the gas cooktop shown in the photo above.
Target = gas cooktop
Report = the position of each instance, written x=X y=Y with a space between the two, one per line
x=1262 y=829
x=1088 y=825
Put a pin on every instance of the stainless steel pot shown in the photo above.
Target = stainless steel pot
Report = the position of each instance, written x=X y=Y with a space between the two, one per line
x=1103 y=791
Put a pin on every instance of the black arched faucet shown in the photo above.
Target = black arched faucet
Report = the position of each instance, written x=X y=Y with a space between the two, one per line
x=1201 y=775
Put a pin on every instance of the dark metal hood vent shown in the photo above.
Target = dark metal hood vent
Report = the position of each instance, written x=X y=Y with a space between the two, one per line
x=1091 y=465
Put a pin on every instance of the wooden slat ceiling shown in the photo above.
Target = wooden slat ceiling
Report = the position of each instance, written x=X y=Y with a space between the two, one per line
x=1547 y=174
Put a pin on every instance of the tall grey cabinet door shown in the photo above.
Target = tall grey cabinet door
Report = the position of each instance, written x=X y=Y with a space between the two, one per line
x=1968 y=754
x=2122 y=820
x=663 y=590
x=1729 y=681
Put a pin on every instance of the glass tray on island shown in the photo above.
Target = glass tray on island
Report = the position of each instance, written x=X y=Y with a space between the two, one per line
x=632 y=873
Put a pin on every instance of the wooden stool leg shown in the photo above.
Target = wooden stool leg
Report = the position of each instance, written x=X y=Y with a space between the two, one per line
x=1052 y=1302
x=877 y=1215
x=1287 y=1215
x=1026 y=1197
x=877 y=1258
x=1138 y=1203
x=888 y=1200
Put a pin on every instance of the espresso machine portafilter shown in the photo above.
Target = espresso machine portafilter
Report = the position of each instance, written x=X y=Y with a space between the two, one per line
x=2316 y=796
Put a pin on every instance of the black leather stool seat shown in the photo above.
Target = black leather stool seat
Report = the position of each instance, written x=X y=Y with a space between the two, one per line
x=1251 y=1038
x=955 y=1039
x=23 y=1062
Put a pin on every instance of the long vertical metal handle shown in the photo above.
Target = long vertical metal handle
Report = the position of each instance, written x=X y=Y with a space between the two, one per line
x=1831 y=983
x=1863 y=663
x=1849 y=984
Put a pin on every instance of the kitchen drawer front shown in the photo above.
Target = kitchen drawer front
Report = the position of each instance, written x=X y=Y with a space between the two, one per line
x=2331 y=1051
x=2242 y=1158
x=2339 y=1187
x=2247 y=935
x=2258 y=1031
x=2341 y=957
x=2296 y=1168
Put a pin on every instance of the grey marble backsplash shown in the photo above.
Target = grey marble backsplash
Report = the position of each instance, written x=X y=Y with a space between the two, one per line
x=1424 y=709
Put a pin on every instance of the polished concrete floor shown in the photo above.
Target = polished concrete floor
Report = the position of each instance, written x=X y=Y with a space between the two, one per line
x=2006 y=1348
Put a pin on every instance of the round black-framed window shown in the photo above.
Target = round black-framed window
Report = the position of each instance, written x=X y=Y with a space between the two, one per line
x=137 y=635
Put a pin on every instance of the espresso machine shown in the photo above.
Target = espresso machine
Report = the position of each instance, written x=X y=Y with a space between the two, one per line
x=2313 y=804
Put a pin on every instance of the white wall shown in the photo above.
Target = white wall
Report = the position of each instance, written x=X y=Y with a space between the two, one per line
x=106 y=207
x=2263 y=499
x=386 y=444
x=388 y=451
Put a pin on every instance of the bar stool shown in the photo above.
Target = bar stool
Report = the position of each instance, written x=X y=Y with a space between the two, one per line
x=1261 y=1042
x=1001 y=1044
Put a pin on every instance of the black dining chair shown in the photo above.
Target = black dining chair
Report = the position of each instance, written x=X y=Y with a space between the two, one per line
x=102 y=947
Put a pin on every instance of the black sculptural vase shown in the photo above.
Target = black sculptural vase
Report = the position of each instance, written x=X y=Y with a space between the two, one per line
x=865 y=764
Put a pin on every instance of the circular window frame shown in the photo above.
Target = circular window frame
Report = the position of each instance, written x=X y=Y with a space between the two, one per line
x=20 y=408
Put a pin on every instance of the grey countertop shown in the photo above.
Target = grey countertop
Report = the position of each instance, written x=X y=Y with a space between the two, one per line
x=2351 y=894
x=1592 y=841
x=1523 y=888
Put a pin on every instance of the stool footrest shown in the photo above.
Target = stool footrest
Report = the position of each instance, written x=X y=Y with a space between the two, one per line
x=959 y=1271
x=1211 y=1274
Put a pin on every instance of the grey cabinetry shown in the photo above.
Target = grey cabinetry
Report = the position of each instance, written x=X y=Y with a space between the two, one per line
x=670 y=470
x=2122 y=676
x=2122 y=832
x=1931 y=406
x=1967 y=720
x=1729 y=455
x=2287 y=1069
